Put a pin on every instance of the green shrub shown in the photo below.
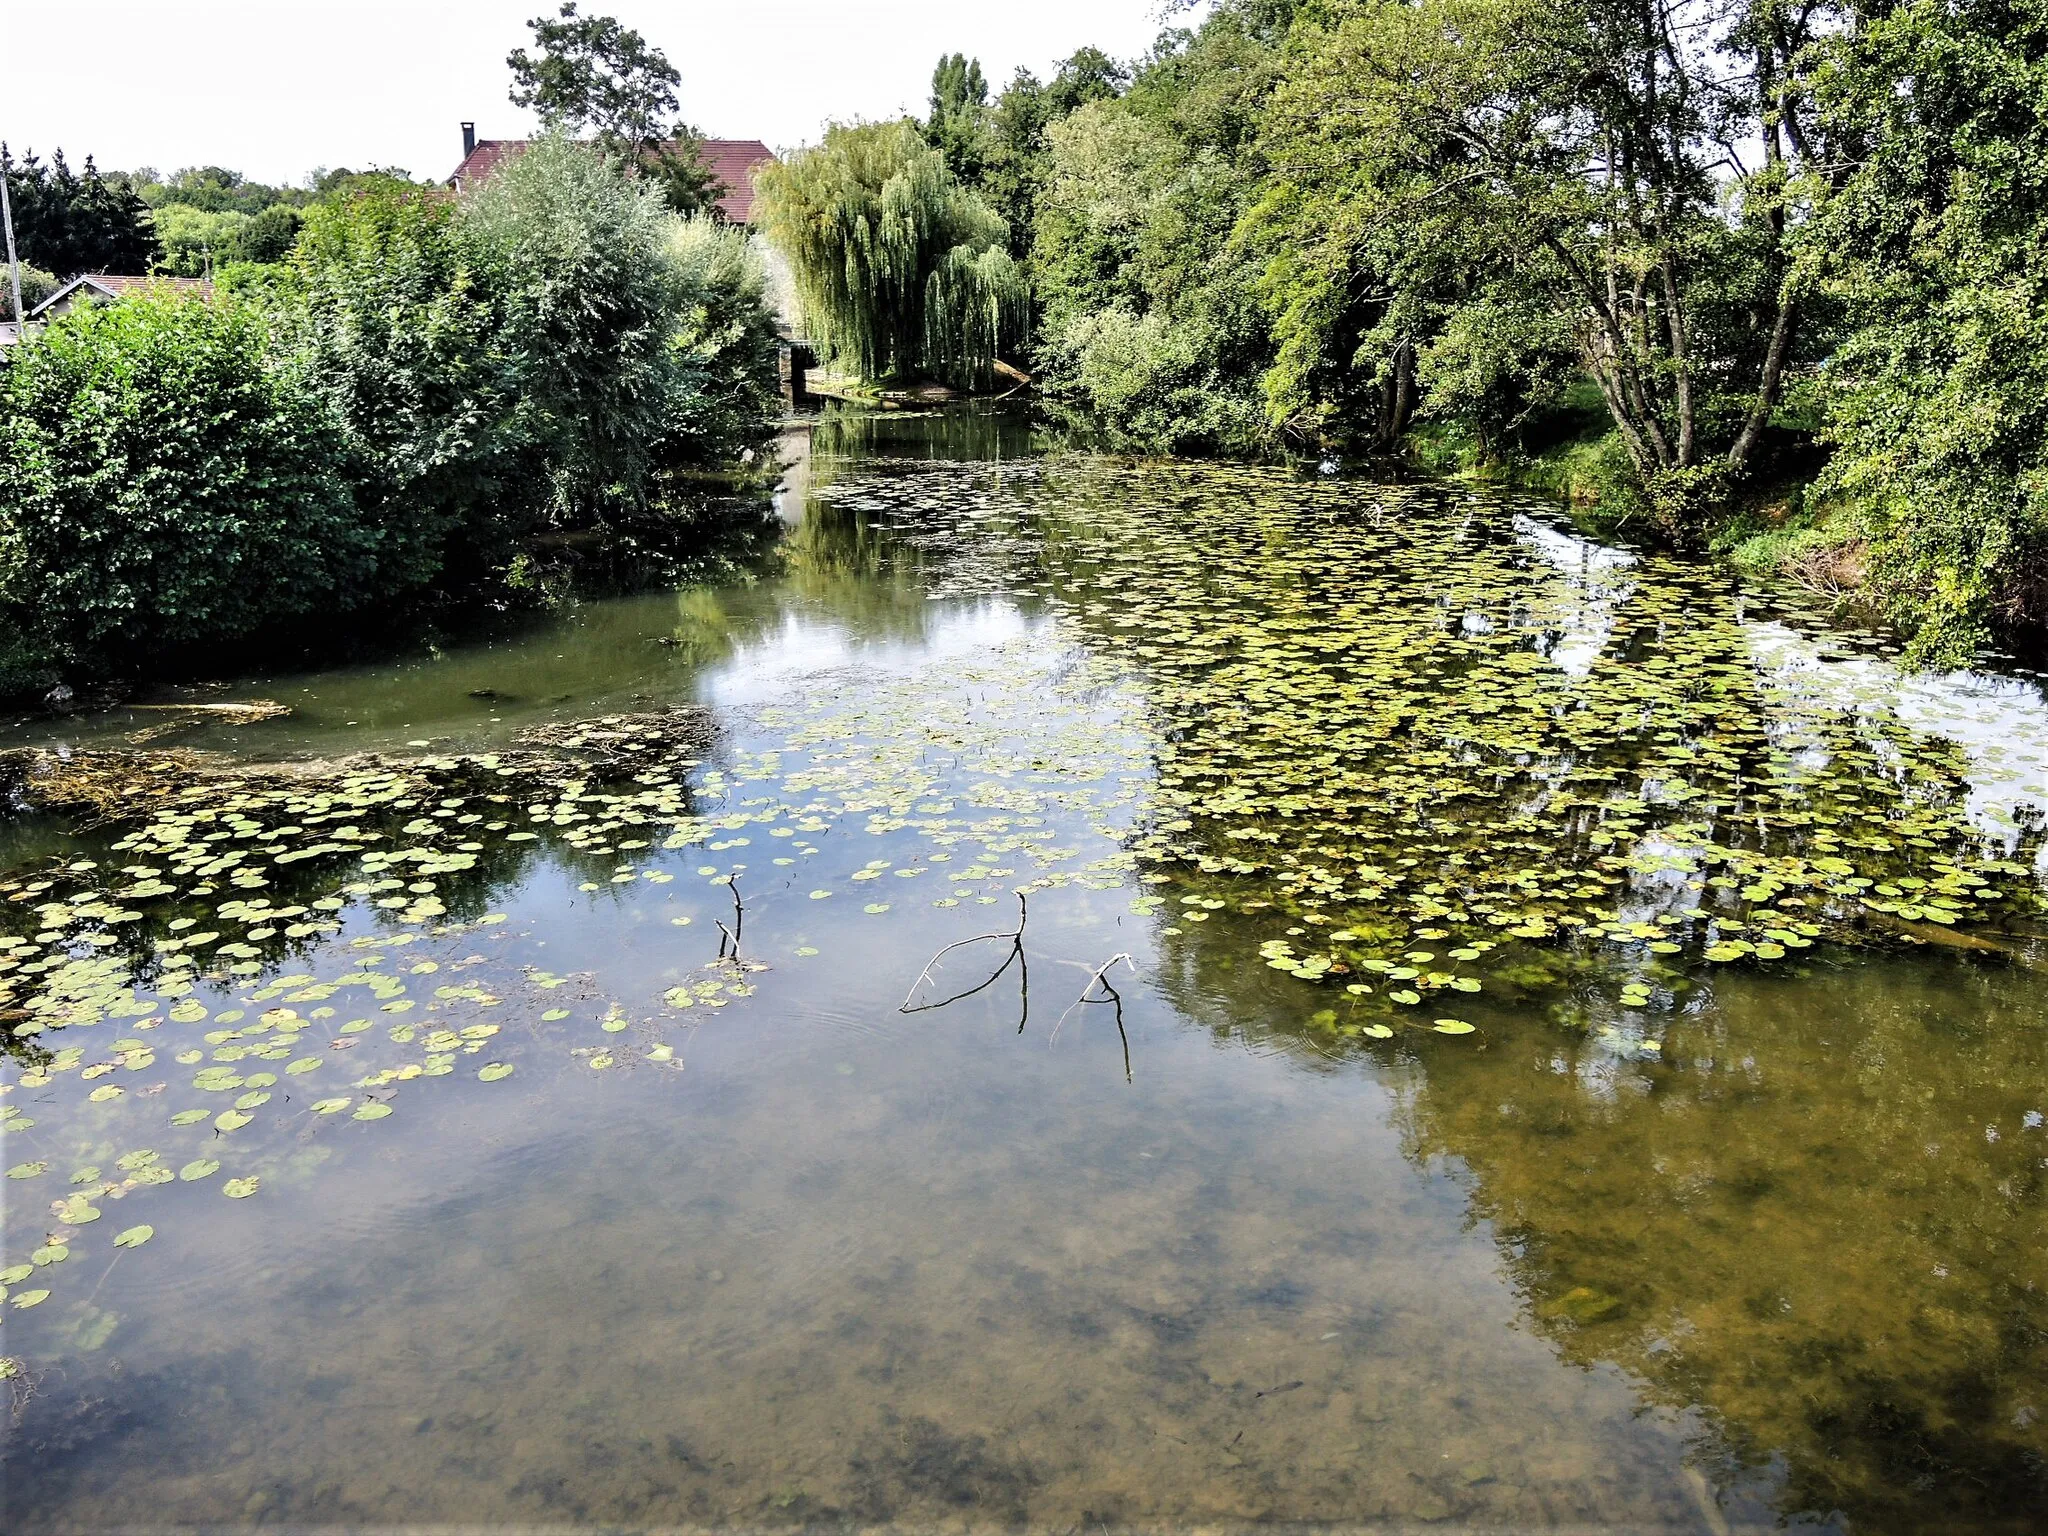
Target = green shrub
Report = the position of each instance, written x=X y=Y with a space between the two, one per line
x=399 y=339
x=166 y=480
x=723 y=394
x=571 y=254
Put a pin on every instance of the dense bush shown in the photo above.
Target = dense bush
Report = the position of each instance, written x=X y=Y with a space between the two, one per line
x=398 y=340
x=426 y=385
x=1939 y=397
x=723 y=389
x=168 y=481
x=572 y=256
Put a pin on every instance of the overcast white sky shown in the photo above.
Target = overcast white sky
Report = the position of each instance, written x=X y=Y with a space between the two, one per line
x=274 y=88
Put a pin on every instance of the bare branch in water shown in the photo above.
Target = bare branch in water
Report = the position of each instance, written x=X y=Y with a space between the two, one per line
x=1101 y=979
x=731 y=941
x=1014 y=957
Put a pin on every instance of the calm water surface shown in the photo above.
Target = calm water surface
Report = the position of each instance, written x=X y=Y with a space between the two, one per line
x=791 y=1256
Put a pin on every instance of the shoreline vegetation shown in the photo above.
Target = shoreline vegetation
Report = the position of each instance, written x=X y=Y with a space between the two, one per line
x=1735 y=277
x=1746 y=277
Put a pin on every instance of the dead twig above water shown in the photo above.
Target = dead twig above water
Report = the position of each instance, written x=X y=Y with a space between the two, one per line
x=1101 y=979
x=1014 y=957
x=731 y=942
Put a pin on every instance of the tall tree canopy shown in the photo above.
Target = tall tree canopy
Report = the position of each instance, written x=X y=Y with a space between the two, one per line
x=901 y=270
x=70 y=223
x=1585 y=159
x=1937 y=245
x=589 y=74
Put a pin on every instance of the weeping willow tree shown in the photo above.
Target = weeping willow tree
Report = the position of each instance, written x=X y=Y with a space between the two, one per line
x=902 y=271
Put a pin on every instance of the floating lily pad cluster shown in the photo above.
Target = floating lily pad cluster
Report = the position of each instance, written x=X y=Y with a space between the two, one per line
x=1419 y=733
x=266 y=955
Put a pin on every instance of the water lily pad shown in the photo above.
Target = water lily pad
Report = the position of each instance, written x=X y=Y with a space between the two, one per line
x=240 y=1189
x=134 y=1237
x=199 y=1168
x=494 y=1071
x=372 y=1112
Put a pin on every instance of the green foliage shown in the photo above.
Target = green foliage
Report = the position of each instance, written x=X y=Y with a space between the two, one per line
x=196 y=241
x=1013 y=146
x=593 y=74
x=1557 y=163
x=571 y=251
x=68 y=223
x=958 y=125
x=1151 y=313
x=212 y=189
x=399 y=339
x=901 y=271
x=36 y=286
x=167 y=480
x=425 y=385
x=723 y=394
x=1939 y=405
x=590 y=74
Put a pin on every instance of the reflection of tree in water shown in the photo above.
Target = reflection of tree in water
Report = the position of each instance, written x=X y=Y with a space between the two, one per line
x=976 y=433
x=288 y=891
x=1819 y=1217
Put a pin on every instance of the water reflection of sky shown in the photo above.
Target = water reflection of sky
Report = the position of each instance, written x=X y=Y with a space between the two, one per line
x=1594 y=587
x=2000 y=723
x=802 y=645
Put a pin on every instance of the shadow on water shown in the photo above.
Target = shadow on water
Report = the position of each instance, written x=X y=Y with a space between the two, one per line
x=722 y=1242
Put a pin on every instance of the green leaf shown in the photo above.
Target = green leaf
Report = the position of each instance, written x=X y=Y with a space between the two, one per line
x=199 y=1168
x=135 y=1237
x=494 y=1071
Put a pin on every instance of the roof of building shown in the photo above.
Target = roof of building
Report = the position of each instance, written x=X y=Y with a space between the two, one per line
x=113 y=286
x=732 y=161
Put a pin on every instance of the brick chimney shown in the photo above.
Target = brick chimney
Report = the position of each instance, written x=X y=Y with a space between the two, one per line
x=468 y=140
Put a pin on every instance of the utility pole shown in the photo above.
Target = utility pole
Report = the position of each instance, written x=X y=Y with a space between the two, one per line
x=13 y=264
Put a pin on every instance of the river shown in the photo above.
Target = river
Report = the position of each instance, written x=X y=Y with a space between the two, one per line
x=1499 y=1031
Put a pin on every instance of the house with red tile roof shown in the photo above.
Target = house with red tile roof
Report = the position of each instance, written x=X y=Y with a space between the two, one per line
x=732 y=161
